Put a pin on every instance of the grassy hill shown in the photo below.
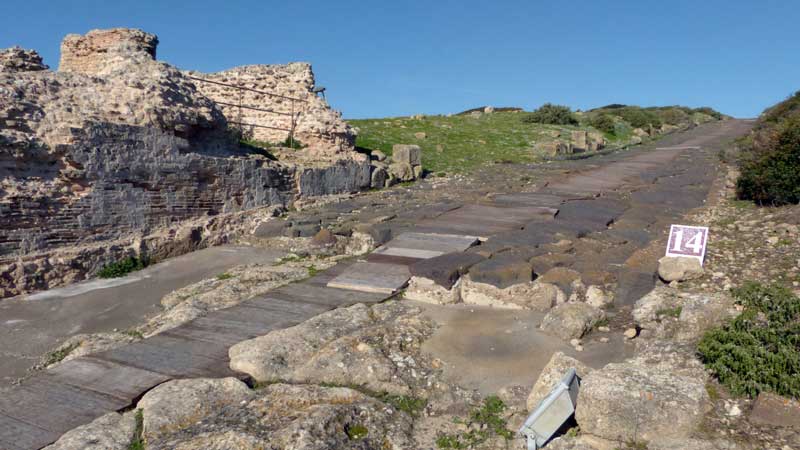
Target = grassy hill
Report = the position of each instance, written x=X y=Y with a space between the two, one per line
x=460 y=143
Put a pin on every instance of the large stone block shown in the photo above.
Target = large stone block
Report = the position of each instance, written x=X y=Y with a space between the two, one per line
x=408 y=154
x=643 y=402
x=502 y=271
x=571 y=320
x=446 y=269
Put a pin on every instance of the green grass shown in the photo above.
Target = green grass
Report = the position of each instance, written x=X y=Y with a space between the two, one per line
x=122 y=267
x=670 y=312
x=224 y=276
x=466 y=142
x=134 y=333
x=356 y=431
x=59 y=354
x=137 y=441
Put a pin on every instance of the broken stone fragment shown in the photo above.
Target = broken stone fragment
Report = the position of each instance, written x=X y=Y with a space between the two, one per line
x=426 y=290
x=378 y=178
x=679 y=268
x=16 y=59
x=773 y=410
x=599 y=297
x=552 y=373
x=402 y=171
x=571 y=320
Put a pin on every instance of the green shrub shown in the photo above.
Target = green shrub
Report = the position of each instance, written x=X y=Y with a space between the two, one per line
x=603 y=122
x=770 y=174
x=551 y=114
x=709 y=111
x=639 y=118
x=760 y=349
x=122 y=267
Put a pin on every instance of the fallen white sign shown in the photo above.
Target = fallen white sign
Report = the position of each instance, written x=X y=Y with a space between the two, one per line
x=687 y=241
x=551 y=413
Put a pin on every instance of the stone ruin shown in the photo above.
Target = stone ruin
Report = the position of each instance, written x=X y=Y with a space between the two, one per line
x=116 y=147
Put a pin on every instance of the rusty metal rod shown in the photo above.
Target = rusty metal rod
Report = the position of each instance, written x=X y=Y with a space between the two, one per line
x=259 y=126
x=254 y=108
x=246 y=89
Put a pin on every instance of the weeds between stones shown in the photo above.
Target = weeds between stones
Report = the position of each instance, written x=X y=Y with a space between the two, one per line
x=137 y=441
x=122 y=267
x=483 y=423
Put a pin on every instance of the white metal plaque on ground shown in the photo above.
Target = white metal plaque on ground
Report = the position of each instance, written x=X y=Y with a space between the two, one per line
x=687 y=241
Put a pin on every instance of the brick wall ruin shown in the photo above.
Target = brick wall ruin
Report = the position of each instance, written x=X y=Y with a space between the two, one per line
x=116 y=147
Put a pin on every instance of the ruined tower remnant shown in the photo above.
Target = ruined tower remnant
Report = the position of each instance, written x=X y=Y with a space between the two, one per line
x=95 y=52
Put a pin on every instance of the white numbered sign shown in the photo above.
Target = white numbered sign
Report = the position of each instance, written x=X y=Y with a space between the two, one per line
x=688 y=241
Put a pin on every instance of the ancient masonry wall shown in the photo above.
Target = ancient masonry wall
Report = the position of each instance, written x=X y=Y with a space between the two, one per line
x=317 y=126
x=117 y=153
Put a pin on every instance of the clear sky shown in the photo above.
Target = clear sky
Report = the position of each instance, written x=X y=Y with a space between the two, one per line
x=388 y=58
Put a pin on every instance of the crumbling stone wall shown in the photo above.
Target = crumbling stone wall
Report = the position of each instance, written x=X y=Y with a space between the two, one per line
x=317 y=125
x=96 y=52
x=117 y=146
x=16 y=59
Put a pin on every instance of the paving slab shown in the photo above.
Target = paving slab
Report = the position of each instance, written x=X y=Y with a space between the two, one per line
x=373 y=277
x=425 y=245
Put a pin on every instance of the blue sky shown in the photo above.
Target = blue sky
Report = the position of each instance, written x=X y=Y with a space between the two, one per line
x=380 y=58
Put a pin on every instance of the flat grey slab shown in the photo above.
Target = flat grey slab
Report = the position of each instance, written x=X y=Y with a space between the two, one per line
x=426 y=245
x=18 y=435
x=55 y=406
x=373 y=277
x=106 y=377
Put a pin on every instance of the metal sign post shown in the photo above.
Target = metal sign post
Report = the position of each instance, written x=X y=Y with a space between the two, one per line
x=687 y=241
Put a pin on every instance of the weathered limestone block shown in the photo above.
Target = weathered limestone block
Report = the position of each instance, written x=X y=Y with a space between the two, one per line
x=644 y=398
x=533 y=295
x=177 y=404
x=16 y=59
x=599 y=297
x=408 y=154
x=402 y=171
x=552 y=373
x=112 y=431
x=426 y=290
x=353 y=345
x=679 y=268
x=579 y=141
x=571 y=320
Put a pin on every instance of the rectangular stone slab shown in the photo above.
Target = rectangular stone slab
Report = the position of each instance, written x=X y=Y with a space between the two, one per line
x=18 y=435
x=425 y=245
x=106 y=377
x=373 y=277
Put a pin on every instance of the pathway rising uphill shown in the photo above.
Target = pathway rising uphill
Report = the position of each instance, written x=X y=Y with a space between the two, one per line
x=638 y=192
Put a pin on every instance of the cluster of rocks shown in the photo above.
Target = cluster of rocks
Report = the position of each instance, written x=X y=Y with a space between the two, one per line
x=17 y=59
x=580 y=141
x=405 y=164
x=508 y=280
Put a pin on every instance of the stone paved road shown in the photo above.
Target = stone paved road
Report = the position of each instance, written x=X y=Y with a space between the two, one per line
x=34 y=324
x=637 y=193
